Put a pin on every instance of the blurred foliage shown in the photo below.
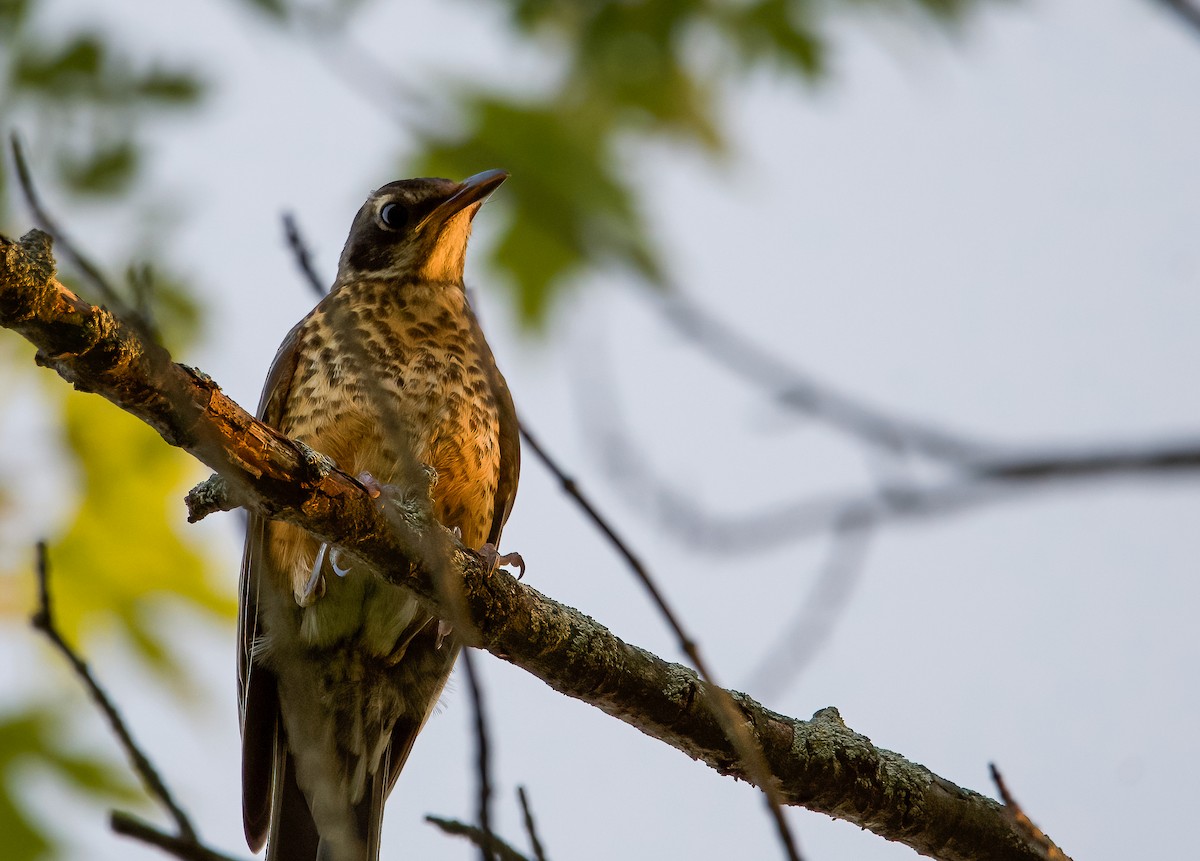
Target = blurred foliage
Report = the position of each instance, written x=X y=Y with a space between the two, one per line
x=82 y=102
x=121 y=551
x=627 y=72
x=635 y=70
x=35 y=738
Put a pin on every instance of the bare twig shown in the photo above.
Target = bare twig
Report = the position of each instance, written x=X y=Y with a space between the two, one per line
x=1036 y=836
x=797 y=390
x=539 y=854
x=1101 y=461
x=302 y=254
x=81 y=262
x=141 y=287
x=481 y=838
x=1188 y=12
x=1004 y=474
x=43 y=620
x=723 y=707
x=482 y=762
x=187 y=850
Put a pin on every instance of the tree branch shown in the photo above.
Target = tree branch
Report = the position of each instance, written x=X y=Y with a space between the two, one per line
x=819 y=764
x=128 y=825
x=487 y=842
x=1187 y=11
x=1048 y=849
x=186 y=845
x=539 y=853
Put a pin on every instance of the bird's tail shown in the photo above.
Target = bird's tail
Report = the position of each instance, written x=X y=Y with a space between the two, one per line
x=294 y=837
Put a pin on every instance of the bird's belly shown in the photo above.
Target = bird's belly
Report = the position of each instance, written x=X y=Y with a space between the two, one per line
x=432 y=409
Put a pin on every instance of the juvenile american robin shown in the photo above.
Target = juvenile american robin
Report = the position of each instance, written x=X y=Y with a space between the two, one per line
x=391 y=378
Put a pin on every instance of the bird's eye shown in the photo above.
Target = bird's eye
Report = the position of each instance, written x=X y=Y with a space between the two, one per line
x=393 y=215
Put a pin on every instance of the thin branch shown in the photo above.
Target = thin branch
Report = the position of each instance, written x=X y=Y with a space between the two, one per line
x=302 y=254
x=819 y=764
x=1149 y=458
x=1036 y=836
x=797 y=390
x=964 y=485
x=482 y=761
x=43 y=620
x=141 y=286
x=486 y=841
x=187 y=850
x=78 y=259
x=722 y=706
x=1188 y=12
x=539 y=854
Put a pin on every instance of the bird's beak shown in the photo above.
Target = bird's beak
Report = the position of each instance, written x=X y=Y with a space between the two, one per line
x=473 y=189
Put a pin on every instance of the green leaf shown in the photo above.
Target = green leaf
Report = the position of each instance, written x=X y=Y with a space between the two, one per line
x=170 y=88
x=13 y=14
x=107 y=170
x=121 y=555
x=773 y=31
x=22 y=839
x=277 y=9
x=72 y=70
x=169 y=303
x=34 y=738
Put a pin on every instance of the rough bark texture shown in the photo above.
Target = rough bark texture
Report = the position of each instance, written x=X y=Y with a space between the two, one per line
x=820 y=764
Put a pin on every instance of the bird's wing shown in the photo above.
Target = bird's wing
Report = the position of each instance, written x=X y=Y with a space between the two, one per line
x=258 y=698
x=510 y=452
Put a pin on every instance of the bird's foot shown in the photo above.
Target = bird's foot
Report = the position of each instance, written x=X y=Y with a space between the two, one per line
x=314 y=586
x=493 y=560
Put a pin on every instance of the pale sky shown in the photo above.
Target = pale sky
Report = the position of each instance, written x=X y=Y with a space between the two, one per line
x=995 y=231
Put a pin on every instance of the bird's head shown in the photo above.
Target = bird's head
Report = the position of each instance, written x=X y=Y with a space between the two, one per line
x=416 y=229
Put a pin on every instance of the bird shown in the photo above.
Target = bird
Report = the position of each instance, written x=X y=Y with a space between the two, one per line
x=390 y=377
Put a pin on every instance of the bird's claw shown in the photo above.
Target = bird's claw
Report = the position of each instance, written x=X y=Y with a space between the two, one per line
x=335 y=557
x=314 y=587
x=444 y=630
x=492 y=559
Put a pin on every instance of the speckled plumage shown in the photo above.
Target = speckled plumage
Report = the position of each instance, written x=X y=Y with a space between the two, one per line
x=389 y=375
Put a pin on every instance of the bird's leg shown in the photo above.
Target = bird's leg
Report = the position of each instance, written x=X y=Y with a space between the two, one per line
x=493 y=560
